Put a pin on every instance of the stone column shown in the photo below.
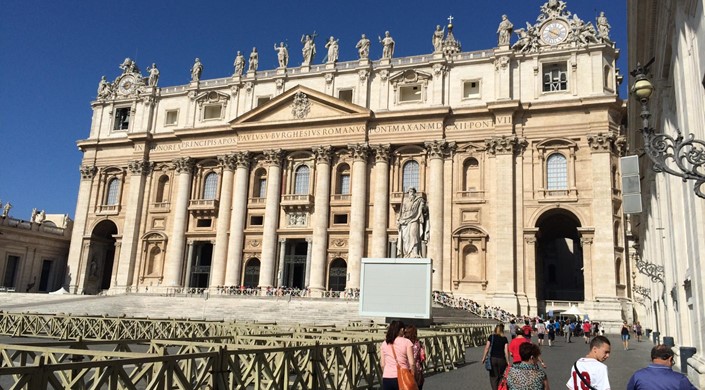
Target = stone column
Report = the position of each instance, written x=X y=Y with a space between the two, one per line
x=381 y=203
x=436 y=154
x=236 y=242
x=526 y=273
x=217 y=277
x=280 y=268
x=175 y=249
x=502 y=149
x=189 y=263
x=586 y=239
x=358 y=205
x=309 y=249
x=71 y=283
x=131 y=230
x=317 y=269
x=271 y=217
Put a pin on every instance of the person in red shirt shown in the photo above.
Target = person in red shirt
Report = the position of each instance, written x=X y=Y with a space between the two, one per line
x=515 y=344
x=587 y=327
x=527 y=329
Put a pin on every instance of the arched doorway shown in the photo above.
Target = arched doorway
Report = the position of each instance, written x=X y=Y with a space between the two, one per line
x=251 y=279
x=337 y=275
x=559 y=258
x=101 y=256
x=199 y=273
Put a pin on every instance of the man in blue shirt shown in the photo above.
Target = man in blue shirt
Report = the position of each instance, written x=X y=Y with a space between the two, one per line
x=659 y=375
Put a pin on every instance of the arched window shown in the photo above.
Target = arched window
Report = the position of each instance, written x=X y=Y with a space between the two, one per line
x=337 y=275
x=113 y=188
x=410 y=175
x=251 y=273
x=556 y=172
x=210 y=186
x=343 y=182
x=472 y=269
x=301 y=180
x=259 y=189
x=162 y=189
x=472 y=175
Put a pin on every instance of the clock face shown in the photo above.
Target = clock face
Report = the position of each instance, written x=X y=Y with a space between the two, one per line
x=554 y=32
x=127 y=85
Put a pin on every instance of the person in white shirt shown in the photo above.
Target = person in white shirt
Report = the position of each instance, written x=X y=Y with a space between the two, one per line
x=592 y=372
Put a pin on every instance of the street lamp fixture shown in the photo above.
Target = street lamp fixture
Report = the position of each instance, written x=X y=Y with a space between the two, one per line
x=687 y=154
x=653 y=271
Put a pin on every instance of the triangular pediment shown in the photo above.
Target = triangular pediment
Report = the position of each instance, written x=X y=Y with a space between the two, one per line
x=301 y=105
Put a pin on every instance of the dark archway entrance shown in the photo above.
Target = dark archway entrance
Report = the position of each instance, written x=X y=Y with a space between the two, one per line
x=337 y=275
x=295 y=264
x=101 y=256
x=559 y=258
x=201 y=269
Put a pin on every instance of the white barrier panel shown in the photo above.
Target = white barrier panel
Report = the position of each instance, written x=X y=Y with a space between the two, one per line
x=397 y=287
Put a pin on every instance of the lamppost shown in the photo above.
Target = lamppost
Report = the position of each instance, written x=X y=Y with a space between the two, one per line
x=688 y=154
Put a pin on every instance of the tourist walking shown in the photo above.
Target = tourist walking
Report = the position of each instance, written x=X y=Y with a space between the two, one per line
x=625 y=335
x=513 y=329
x=566 y=330
x=638 y=331
x=395 y=349
x=659 y=375
x=587 y=328
x=590 y=372
x=497 y=352
x=540 y=331
x=419 y=352
x=551 y=332
x=515 y=344
x=527 y=375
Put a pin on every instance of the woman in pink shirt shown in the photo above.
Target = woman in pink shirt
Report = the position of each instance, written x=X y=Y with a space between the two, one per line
x=404 y=355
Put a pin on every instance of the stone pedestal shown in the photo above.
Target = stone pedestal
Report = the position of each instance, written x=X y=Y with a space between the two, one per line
x=281 y=71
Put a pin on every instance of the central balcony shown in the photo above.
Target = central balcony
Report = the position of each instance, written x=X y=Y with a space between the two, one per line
x=293 y=202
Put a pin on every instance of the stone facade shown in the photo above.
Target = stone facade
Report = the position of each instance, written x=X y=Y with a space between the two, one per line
x=33 y=252
x=289 y=177
x=667 y=239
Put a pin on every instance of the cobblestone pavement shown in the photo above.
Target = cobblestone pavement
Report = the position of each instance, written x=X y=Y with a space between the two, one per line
x=558 y=358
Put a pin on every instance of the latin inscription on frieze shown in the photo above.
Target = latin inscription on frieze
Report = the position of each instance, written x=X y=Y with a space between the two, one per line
x=185 y=145
x=303 y=133
x=471 y=125
x=406 y=128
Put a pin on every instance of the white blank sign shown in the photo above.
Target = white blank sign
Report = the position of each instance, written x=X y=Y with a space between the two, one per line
x=399 y=288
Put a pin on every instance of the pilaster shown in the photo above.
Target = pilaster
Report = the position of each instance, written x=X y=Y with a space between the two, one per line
x=217 y=276
x=271 y=217
x=358 y=207
x=75 y=258
x=381 y=202
x=236 y=240
x=319 y=243
x=183 y=167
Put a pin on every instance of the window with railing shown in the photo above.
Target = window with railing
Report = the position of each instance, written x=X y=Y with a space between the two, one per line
x=555 y=78
x=210 y=186
x=301 y=179
x=410 y=175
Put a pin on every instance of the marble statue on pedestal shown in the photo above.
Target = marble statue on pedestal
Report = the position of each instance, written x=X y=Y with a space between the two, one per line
x=387 y=45
x=504 y=31
x=332 y=46
x=6 y=209
x=254 y=60
x=153 y=75
x=363 y=47
x=282 y=54
x=105 y=89
x=196 y=70
x=603 y=27
x=309 y=49
x=239 y=64
x=413 y=225
x=438 y=39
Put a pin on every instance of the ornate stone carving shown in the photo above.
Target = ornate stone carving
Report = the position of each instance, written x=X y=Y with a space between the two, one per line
x=359 y=151
x=323 y=154
x=273 y=157
x=451 y=46
x=505 y=145
x=504 y=31
x=242 y=159
x=585 y=241
x=212 y=97
x=255 y=243
x=297 y=219
x=381 y=153
x=338 y=242
x=301 y=105
x=439 y=70
x=88 y=171
x=621 y=144
x=501 y=62
x=280 y=84
x=384 y=75
x=228 y=161
x=329 y=78
x=531 y=240
x=183 y=165
x=234 y=90
x=248 y=86
x=139 y=167
x=436 y=149
x=601 y=142
x=363 y=74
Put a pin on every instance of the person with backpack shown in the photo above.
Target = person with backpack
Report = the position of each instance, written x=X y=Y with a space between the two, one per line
x=591 y=372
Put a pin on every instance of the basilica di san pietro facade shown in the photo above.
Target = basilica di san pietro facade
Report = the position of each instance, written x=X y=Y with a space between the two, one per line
x=290 y=176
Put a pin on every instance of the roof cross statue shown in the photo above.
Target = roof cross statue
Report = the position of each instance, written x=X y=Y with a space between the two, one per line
x=450 y=19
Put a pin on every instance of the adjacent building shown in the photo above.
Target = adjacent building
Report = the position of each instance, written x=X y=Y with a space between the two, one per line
x=668 y=236
x=288 y=177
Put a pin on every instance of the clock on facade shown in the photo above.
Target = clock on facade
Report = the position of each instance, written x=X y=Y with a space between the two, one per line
x=554 y=32
x=127 y=85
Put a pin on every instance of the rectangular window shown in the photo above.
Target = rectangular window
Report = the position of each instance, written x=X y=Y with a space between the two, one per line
x=212 y=112
x=471 y=89
x=204 y=222
x=172 y=118
x=410 y=93
x=122 y=118
x=340 y=219
x=346 y=94
x=263 y=100
x=345 y=184
x=13 y=263
x=555 y=78
x=256 y=220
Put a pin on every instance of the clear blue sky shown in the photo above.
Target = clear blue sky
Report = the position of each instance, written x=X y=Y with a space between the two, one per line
x=53 y=53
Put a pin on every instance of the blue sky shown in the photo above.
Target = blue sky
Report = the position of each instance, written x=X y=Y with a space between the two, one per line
x=53 y=53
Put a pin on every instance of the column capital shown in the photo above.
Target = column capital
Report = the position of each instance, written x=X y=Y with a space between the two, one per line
x=323 y=154
x=183 y=165
x=601 y=142
x=273 y=157
x=381 y=153
x=228 y=161
x=281 y=240
x=242 y=159
x=359 y=151
x=506 y=145
x=140 y=167
x=438 y=148
x=88 y=172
